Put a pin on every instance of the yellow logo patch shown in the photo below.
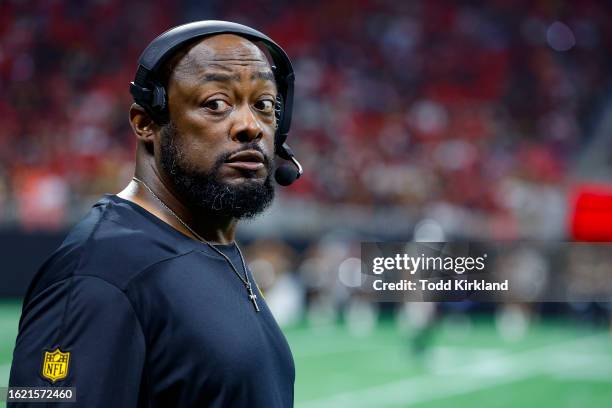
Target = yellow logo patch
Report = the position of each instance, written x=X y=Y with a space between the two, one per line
x=55 y=365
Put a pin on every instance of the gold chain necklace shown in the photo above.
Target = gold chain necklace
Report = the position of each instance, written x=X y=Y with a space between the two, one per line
x=245 y=280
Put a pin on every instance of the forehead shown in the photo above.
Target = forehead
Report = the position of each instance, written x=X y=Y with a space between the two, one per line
x=223 y=52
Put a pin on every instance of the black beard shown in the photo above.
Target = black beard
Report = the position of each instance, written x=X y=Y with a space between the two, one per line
x=203 y=191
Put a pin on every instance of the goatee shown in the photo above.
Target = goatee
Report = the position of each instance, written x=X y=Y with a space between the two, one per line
x=204 y=192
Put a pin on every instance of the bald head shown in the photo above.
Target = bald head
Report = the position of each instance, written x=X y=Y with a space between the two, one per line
x=220 y=52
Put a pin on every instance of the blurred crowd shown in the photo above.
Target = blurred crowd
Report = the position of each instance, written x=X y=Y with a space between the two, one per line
x=436 y=107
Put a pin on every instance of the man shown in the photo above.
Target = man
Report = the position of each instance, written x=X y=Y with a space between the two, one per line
x=147 y=302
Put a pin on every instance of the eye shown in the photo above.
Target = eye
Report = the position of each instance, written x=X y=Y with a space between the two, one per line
x=216 y=105
x=265 y=105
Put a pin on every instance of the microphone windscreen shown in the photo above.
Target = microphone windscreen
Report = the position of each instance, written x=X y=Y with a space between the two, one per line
x=285 y=175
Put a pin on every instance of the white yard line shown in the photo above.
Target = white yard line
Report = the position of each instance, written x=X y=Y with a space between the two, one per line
x=594 y=367
x=452 y=381
x=346 y=348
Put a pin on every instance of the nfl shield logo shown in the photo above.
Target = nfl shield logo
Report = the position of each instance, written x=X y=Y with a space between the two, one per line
x=55 y=365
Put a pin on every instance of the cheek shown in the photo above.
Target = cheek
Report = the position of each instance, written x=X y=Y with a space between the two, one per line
x=268 y=138
x=269 y=147
x=204 y=131
x=203 y=141
x=199 y=154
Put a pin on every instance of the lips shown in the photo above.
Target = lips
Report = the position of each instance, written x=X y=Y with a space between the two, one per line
x=246 y=160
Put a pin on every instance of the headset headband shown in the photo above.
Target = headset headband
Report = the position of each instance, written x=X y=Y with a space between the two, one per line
x=149 y=94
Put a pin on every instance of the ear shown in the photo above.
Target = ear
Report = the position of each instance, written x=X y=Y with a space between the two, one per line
x=143 y=126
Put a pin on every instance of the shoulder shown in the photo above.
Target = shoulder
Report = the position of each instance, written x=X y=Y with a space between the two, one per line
x=115 y=241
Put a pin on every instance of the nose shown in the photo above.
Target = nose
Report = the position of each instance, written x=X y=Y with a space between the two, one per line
x=246 y=127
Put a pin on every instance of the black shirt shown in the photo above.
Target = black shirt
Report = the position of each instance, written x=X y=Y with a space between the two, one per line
x=135 y=314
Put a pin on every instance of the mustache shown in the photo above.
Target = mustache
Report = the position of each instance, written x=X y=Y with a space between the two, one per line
x=251 y=146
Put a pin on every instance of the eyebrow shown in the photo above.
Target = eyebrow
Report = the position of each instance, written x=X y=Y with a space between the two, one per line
x=220 y=77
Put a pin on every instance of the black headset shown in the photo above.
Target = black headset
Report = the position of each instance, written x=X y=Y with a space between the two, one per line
x=151 y=95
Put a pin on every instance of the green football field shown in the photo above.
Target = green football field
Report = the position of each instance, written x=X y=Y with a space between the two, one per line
x=465 y=365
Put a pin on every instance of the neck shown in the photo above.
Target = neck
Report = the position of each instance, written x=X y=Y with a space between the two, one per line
x=212 y=228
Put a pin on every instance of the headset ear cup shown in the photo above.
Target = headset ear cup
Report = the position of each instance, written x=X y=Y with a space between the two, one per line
x=158 y=102
x=153 y=100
